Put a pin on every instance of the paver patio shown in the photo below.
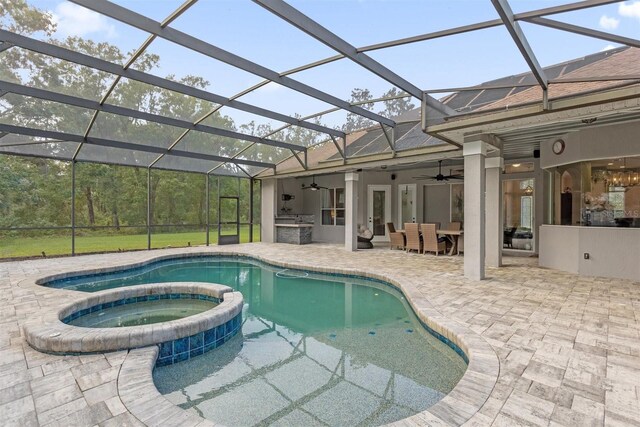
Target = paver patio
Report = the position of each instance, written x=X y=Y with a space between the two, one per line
x=568 y=346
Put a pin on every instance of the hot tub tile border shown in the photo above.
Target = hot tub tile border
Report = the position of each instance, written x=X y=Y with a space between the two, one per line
x=170 y=353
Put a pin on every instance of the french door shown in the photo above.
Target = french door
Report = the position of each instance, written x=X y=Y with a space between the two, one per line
x=378 y=211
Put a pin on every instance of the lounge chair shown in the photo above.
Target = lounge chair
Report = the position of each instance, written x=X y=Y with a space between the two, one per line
x=414 y=241
x=396 y=237
x=430 y=240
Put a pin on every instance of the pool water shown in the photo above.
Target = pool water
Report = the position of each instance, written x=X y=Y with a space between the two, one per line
x=314 y=350
x=143 y=313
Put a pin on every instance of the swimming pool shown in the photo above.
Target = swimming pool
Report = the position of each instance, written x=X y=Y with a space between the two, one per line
x=315 y=349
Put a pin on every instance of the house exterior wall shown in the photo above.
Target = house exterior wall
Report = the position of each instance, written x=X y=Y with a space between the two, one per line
x=613 y=251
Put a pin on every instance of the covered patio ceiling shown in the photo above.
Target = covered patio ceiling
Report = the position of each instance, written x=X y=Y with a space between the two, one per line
x=189 y=142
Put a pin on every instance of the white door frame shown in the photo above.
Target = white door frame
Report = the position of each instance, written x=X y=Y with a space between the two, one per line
x=387 y=209
x=414 y=213
x=534 y=228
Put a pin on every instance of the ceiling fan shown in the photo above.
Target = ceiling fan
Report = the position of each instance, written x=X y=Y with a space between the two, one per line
x=439 y=177
x=313 y=186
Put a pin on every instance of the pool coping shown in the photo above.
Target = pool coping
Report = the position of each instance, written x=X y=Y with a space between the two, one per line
x=456 y=408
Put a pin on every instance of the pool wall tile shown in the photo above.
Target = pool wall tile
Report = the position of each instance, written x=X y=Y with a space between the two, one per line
x=166 y=349
x=196 y=341
x=210 y=336
x=185 y=348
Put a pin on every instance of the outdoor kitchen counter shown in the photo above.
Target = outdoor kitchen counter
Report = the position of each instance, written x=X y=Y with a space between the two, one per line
x=297 y=234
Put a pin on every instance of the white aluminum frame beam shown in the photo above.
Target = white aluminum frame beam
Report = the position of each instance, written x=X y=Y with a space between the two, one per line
x=63 y=136
x=576 y=29
x=148 y=25
x=111 y=68
x=564 y=8
x=514 y=29
x=136 y=114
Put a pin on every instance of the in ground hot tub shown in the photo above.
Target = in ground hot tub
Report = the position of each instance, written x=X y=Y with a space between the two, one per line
x=185 y=319
x=142 y=310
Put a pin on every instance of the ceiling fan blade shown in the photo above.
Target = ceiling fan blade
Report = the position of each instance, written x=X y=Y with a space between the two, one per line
x=455 y=177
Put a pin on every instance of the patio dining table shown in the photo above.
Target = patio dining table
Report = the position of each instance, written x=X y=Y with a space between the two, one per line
x=452 y=236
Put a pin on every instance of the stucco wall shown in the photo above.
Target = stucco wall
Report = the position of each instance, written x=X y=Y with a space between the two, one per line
x=613 y=252
x=593 y=143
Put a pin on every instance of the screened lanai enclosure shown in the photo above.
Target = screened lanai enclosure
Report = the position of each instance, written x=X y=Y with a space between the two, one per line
x=155 y=127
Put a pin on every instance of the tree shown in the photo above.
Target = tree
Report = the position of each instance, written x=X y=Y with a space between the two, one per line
x=356 y=121
x=395 y=107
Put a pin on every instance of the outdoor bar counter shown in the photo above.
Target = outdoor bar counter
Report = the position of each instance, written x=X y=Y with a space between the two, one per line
x=297 y=234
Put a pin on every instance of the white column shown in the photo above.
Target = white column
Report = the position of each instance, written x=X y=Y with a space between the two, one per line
x=493 y=230
x=268 y=210
x=351 y=211
x=474 y=215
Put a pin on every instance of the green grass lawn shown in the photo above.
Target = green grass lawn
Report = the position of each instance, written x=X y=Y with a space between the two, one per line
x=17 y=247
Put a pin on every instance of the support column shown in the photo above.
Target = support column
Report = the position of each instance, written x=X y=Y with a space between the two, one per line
x=250 y=210
x=149 y=208
x=73 y=208
x=351 y=211
x=207 y=203
x=474 y=214
x=268 y=210
x=493 y=231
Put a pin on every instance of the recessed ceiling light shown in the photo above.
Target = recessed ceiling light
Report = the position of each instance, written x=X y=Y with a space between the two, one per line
x=516 y=165
x=610 y=164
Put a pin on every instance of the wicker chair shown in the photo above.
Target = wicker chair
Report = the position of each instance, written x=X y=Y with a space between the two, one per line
x=396 y=238
x=430 y=240
x=414 y=242
x=455 y=225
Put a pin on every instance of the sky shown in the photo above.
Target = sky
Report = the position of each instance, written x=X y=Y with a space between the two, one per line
x=248 y=30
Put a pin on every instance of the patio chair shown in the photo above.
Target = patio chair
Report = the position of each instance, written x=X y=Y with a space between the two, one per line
x=396 y=238
x=455 y=225
x=414 y=241
x=430 y=240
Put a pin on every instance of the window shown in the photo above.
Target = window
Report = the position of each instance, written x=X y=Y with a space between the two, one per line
x=616 y=200
x=525 y=212
x=598 y=193
x=333 y=206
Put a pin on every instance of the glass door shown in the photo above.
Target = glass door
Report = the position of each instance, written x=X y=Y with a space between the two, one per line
x=406 y=204
x=379 y=211
x=518 y=214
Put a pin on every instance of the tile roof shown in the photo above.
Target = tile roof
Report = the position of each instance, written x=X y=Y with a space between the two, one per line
x=615 y=62
x=622 y=63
